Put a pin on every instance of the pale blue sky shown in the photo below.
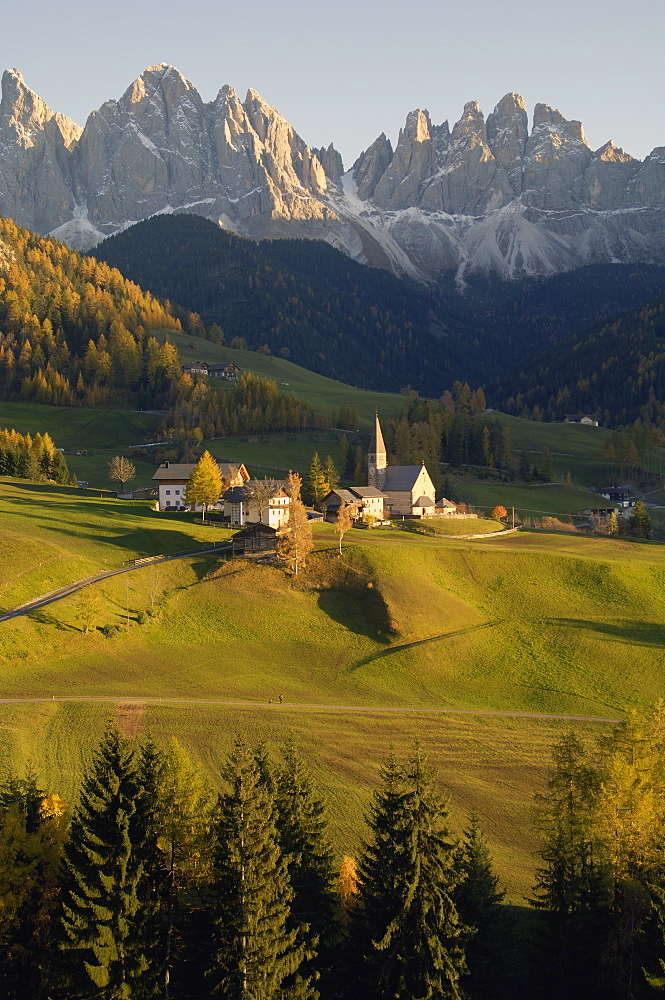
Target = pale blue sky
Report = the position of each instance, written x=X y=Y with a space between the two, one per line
x=348 y=71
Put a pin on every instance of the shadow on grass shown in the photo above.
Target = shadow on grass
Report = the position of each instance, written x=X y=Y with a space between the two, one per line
x=630 y=632
x=43 y=618
x=421 y=642
x=142 y=541
x=361 y=611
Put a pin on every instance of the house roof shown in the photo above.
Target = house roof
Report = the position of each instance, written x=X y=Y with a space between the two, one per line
x=168 y=471
x=401 y=478
x=446 y=503
x=256 y=529
x=367 y=492
x=335 y=498
x=242 y=494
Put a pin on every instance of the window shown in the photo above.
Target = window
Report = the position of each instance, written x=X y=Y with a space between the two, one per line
x=177 y=492
x=168 y=493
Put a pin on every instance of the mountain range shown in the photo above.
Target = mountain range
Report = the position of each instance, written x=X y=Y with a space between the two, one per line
x=488 y=195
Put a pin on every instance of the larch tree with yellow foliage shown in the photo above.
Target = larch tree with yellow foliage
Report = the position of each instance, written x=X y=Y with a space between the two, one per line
x=205 y=485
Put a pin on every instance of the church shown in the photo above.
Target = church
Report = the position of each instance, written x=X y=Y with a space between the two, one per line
x=408 y=489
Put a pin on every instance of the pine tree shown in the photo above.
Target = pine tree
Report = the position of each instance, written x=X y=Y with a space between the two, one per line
x=640 y=521
x=32 y=831
x=478 y=898
x=407 y=923
x=254 y=949
x=331 y=475
x=205 y=484
x=546 y=467
x=304 y=844
x=105 y=911
x=316 y=484
x=180 y=813
x=572 y=884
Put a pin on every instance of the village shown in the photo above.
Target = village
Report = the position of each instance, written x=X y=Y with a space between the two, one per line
x=262 y=507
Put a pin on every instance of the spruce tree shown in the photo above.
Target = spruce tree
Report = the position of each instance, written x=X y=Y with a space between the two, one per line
x=478 y=898
x=105 y=902
x=572 y=883
x=640 y=521
x=408 y=925
x=255 y=950
x=304 y=844
x=315 y=486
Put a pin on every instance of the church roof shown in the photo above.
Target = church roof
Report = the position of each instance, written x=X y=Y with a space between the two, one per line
x=401 y=478
x=376 y=444
x=424 y=502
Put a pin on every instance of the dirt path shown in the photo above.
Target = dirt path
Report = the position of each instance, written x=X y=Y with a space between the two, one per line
x=72 y=588
x=276 y=706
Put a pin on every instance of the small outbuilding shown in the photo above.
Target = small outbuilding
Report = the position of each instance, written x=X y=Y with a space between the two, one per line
x=254 y=538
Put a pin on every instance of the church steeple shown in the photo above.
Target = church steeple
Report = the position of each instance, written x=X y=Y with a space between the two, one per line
x=376 y=458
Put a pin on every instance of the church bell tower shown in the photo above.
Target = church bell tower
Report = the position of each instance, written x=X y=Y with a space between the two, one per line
x=376 y=458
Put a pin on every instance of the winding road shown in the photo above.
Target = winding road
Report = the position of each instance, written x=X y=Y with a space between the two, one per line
x=72 y=588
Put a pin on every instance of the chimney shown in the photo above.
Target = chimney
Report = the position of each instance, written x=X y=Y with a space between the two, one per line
x=166 y=465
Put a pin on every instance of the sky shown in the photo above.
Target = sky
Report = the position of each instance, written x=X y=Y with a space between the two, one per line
x=345 y=72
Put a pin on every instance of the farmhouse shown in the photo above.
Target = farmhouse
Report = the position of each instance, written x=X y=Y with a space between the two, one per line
x=229 y=372
x=195 y=368
x=409 y=489
x=580 y=418
x=364 y=502
x=171 y=479
x=255 y=502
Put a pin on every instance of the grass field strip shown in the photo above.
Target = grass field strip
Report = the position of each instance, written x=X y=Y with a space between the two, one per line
x=304 y=707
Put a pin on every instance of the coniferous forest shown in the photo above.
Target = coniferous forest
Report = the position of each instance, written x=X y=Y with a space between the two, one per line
x=152 y=885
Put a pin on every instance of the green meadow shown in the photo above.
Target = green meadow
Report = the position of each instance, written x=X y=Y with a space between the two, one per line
x=401 y=627
x=323 y=393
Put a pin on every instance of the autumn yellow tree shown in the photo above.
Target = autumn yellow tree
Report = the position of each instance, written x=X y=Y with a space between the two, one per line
x=296 y=542
x=205 y=484
x=343 y=522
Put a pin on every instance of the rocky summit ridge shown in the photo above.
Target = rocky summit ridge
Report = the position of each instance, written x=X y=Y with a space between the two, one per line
x=487 y=195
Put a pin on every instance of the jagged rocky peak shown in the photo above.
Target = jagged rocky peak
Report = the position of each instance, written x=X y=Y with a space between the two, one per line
x=162 y=83
x=557 y=155
x=413 y=163
x=471 y=126
x=36 y=143
x=507 y=135
x=609 y=153
x=23 y=114
x=331 y=161
x=371 y=165
x=549 y=121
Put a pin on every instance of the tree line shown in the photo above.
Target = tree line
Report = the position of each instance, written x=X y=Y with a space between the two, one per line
x=25 y=457
x=156 y=887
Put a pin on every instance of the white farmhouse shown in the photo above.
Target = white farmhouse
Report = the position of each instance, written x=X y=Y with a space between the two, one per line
x=242 y=506
x=172 y=477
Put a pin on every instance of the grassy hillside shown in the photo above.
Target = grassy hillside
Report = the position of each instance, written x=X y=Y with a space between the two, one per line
x=51 y=535
x=527 y=623
x=323 y=393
